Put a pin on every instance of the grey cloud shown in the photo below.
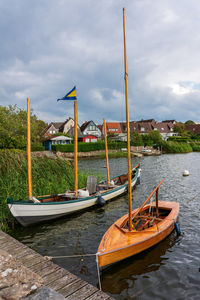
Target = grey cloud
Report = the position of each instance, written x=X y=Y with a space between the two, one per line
x=48 y=47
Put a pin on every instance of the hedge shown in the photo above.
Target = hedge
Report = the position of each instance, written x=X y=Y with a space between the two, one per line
x=178 y=139
x=87 y=147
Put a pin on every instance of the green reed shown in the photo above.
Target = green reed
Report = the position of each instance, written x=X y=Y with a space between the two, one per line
x=49 y=176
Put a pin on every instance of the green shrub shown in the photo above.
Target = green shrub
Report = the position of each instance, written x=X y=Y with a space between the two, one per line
x=178 y=139
x=175 y=147
x=195 y=147
x=37 y=147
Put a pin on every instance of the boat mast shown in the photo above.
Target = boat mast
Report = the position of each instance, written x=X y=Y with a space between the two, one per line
x=29 y=149
x=128 y=128
x=75 y=149
x=106 y=149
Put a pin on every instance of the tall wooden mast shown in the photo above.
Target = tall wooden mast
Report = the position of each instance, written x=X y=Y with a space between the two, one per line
x=128 y=127
x=106 y=149
x=29 y=149
x=75 y=149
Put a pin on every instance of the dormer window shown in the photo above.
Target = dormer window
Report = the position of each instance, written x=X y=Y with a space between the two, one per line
x=92 y=127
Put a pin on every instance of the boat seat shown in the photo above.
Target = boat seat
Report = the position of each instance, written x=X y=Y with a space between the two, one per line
x=92 y=184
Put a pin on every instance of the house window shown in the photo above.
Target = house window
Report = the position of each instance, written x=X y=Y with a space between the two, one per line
x=155 y=129
x=50 y=131
x=87 y=140
x=92 y=127
x=113 y=129
x=93 y=140
x=142 y=129
x=162 y=129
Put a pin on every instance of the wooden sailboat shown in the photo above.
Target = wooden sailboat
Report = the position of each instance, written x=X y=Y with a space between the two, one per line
x=143 y=227
x=43 y=208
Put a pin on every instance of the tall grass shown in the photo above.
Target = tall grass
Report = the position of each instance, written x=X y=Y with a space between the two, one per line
x=195 y=146
x=176 y=147
x=49 y=176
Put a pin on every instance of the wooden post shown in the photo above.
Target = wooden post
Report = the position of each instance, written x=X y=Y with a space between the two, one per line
x=128 y=128
x=29 y=150
x=157 y=203
x=106 y=149
x=75 y=149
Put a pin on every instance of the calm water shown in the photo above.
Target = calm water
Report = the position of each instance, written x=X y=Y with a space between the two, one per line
x=170 y=270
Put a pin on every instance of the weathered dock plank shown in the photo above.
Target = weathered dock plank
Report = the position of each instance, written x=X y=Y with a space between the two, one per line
x=83 y=292
x=61 y=282
x=72 y=287
x=54 y=277
x=99 y=296
x=42 y=265
x=46 y=271
x=57 y=274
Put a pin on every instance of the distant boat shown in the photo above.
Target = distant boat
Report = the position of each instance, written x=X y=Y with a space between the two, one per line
x=141 y=228
x=48 y=207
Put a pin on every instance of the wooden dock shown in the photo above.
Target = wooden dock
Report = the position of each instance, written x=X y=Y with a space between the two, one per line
x=55 y=277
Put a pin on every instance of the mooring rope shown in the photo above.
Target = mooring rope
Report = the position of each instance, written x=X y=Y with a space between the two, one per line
x=98 y=272
x=80 y=255
x=69 y=256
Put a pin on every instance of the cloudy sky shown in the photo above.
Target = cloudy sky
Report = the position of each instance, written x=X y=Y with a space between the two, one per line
x=47 y=47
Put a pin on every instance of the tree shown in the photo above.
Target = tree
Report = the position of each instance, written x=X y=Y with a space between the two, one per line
x=180 y=129
x=155 y=136
x=13 y=127
x=190 y=122
x=136 y=138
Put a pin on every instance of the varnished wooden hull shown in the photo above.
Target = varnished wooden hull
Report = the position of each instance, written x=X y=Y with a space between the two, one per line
x=118 y=244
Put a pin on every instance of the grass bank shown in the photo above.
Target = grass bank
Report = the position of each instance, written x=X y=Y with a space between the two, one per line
x=175 y=147
x=49 y=176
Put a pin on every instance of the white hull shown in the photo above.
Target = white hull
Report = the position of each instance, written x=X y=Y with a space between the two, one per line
x=28 y=213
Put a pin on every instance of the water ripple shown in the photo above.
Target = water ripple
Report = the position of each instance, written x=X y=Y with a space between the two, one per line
x=169 y=270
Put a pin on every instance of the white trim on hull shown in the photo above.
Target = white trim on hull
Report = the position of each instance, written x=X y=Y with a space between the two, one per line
x=30 y=213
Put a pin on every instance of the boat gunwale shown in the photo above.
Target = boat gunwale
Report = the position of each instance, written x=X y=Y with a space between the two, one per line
x=148 y=238
x=153 y=233
x=107 y=192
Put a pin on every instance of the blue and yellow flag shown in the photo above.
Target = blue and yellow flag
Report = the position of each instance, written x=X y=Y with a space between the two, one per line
x=70 y=96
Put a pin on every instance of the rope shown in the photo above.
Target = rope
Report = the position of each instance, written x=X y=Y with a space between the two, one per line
x=80 y=255
x=69 y=256
x=98 y=272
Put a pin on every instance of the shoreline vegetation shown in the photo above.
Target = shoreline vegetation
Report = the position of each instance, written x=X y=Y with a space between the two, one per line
x=49 y=176
x=52 y=174
x=170 y=146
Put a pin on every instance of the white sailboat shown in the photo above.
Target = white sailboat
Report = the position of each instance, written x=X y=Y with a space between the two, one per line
x=43 y=208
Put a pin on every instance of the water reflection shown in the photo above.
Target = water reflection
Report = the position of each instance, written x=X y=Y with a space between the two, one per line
x=125 y=273
x=169 y=270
